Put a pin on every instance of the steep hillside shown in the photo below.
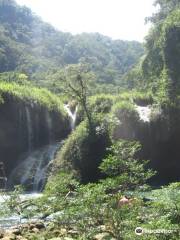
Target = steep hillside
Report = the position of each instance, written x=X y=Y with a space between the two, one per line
x=29 y=45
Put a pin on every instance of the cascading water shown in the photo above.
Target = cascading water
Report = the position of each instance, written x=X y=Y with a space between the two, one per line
x=72 y=115
x=20 y=121
x=29 y=129
x=37 y=132
x=32 y=170
x=144 y=113
x=49 y=126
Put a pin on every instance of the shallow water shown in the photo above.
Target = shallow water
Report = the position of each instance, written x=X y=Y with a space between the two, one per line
x=13 y=220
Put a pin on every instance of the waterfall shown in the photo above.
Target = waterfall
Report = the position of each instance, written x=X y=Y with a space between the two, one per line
x=36 y=129
x=144 y=113
x=72 y=115
x=32 y=169
x=49 y=126
x=29 y=129
x=20 y=122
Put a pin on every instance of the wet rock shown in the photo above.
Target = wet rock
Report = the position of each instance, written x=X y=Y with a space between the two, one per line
x=40 y=225
x=16 y=231
x=31 y=226
x=2 y=233
x=24 y=226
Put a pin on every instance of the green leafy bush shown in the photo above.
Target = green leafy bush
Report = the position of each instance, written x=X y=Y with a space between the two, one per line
x=123 y=164
x=101 y=103
x=84 y=150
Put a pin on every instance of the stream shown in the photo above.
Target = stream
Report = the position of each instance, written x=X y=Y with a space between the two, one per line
x=31 y=170
x=14 y=219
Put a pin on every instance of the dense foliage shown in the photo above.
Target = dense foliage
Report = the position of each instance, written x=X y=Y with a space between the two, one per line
x=29 y=45
x=31 y=95
x=84 y=150
x=91 y=211
x=100 y=161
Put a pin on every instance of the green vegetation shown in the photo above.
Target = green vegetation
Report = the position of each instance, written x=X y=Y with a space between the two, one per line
x=84 y=150
x=121 y=165
x=91 y=209
x=30 y=94
x=102 y=160
x=30 y=46
x=78 y=77
x=101 y=104
x=160 y=65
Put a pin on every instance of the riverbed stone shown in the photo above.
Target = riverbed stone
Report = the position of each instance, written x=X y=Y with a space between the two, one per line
x=63 y=231
x=24 y=226
x=16 y=231
x=35 y=230
x=9 y=236
x=73 y=232
x=2 y=233
x=40 y=225
x=102 y=236
x=31 y=226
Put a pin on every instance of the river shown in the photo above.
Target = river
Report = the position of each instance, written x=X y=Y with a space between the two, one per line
x=10 y=220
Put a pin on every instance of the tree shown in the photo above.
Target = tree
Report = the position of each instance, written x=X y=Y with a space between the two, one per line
x=124 y=168
x=78 y=78
x=165 y=8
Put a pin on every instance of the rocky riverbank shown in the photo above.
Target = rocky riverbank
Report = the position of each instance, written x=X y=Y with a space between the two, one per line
x=37 y=230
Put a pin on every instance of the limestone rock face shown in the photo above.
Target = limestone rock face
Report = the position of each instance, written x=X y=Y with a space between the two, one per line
x=25 y=128
x=160 y=139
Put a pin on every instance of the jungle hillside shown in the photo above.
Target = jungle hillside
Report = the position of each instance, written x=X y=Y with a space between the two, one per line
x=89 y=130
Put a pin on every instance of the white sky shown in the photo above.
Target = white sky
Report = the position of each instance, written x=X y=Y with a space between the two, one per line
x=119 y=19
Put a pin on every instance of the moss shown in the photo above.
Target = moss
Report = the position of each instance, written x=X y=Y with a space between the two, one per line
x=101 y=103
x=124 y=108
x=29 y=94
x=125 y=120
x=83 y=151
x=139 y=98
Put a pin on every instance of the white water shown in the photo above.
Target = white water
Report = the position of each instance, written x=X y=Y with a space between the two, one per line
x=29 y=129
x=72 y=115
x=27 y=196
x=49 y=125
x=14 y=220
x=144 y=113
x=32 y=169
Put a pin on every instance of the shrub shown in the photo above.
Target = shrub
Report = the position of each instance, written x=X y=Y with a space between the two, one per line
x=139 y=98
x=84 y=150
x=125 y=120
x=122 y=164
x=101 y=103
x=124 y=109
